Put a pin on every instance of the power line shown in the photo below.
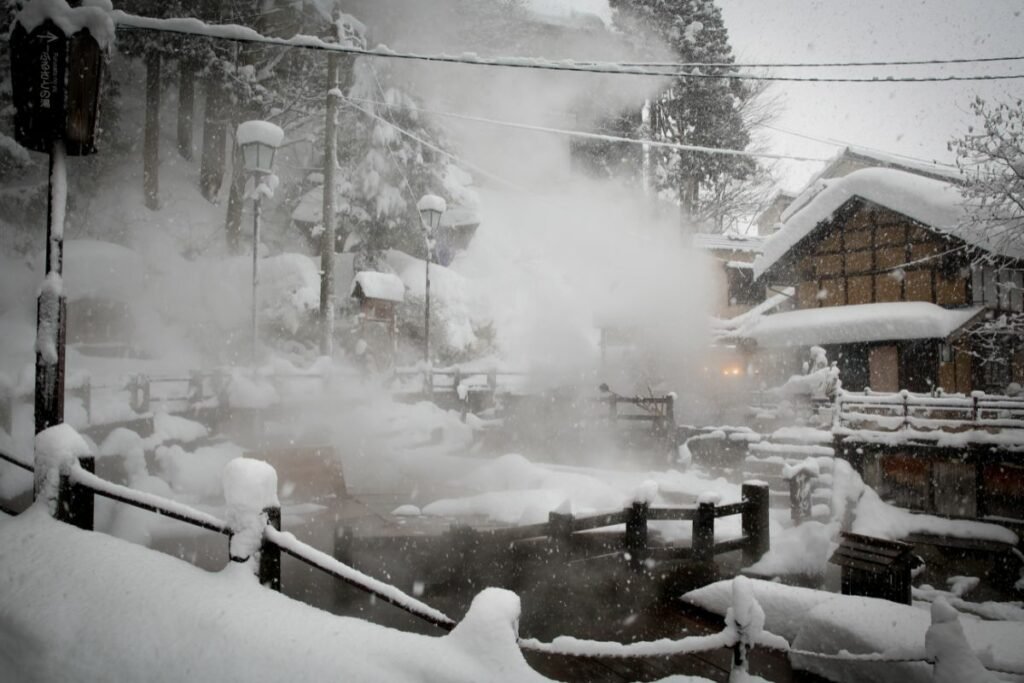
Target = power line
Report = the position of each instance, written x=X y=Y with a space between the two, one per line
x=484 y=172
x=243 y=34
x=601 y=136
x=800 y=65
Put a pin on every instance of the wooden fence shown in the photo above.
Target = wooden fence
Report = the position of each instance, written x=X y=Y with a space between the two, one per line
x=141 y=393
x=569 y=533
x=928 y=412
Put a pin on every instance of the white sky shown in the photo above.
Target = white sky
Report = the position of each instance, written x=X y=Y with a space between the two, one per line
x=911 y=119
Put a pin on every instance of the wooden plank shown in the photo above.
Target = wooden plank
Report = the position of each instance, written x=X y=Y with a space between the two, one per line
x=671 y=514
x=598 y=521
x=730 y=509
x=871 y=549
x=730 y=545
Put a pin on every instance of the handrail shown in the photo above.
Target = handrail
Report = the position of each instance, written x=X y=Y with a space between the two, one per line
x=329 y=565
x=286 y=542
x=145 y=501
x=15 y=461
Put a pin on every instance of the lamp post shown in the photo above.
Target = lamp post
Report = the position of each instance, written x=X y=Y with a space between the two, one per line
x=259 y=141
x=431 y=208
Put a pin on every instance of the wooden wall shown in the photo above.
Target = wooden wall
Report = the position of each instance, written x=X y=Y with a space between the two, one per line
x=872 y=255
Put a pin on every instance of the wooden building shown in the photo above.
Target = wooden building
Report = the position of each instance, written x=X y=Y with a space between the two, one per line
x=733 y=255
x=887 y=281
x=378 y=296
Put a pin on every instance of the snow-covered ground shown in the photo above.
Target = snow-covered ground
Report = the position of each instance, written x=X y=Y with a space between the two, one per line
x=87 y=607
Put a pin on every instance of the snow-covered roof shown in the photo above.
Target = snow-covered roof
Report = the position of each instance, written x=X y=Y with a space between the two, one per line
x=732 y=328
x=931 y=202
x=459 y=216
x=858 y=323
x=888 y=160
x=374 y=285
x=728 y=241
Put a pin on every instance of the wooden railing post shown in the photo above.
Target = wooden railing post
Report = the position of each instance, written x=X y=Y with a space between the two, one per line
x=6 y=408
x=755 y=520
x=906 y=409
x=635 y=540
x=85 y=394
x=703 y=541
x=57 y=449
x=195 y=388
x=270 y=555
x=560 y=527
x=250 y=491
x=76 y=504
x=800 y=485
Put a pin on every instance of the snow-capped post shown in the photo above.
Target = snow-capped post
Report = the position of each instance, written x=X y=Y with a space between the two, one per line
x=946 y=645
x=58 y=449
x=801 y=479
x=746 y=619
x=754 y=520
x=330 y=219
x=139 y=392
x=431 y=208
x=259 y=141
x=250 y=491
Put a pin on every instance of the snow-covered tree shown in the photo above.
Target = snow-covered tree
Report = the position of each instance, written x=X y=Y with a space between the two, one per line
x=695 y=110
x=384 y=170
x=991 y=160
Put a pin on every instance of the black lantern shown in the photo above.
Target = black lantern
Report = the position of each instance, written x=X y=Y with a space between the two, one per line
x=259 y=141
x=431 y=208
x=56 y=86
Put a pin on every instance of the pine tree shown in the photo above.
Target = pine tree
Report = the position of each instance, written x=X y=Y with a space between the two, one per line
x=695 y=110
x=384 y=171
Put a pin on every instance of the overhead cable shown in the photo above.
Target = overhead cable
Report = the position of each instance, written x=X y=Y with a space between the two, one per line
x=243 y=34
x=602 y=136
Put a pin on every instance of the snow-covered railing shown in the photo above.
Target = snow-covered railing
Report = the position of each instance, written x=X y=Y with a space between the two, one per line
x=565 y=530
x=458 y=380
x=744 y=630
x=64 y=477
x=927 y=412
x=135 y=396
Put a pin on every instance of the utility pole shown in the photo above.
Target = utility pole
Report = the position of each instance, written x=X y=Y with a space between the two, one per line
x=327 y=238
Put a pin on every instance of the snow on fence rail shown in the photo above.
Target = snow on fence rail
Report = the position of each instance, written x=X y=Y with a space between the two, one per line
x=64 y=477
x=926 y=412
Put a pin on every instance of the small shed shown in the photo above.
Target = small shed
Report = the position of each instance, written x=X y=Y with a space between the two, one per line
x=378 y=294
x=874 y=567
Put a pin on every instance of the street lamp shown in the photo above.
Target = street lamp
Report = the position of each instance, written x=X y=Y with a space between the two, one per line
x=259 y=141
x=431 y=208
